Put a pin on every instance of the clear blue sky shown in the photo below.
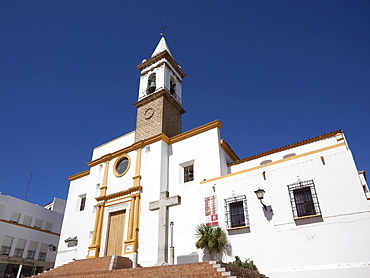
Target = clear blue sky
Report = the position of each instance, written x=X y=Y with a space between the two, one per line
x=274 y=72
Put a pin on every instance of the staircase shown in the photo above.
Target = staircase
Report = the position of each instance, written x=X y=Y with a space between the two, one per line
x=121 y=267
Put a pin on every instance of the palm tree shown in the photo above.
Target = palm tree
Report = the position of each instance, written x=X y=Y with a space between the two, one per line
x=212 y=239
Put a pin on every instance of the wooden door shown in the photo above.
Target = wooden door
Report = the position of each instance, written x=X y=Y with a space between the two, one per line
x=115 y=233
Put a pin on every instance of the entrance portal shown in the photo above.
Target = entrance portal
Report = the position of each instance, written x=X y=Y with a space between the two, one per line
x=115 y=233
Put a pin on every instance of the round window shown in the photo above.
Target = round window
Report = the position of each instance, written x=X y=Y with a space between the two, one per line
x=121 y=166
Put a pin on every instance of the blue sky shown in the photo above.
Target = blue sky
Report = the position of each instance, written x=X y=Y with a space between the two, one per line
x=274 y=72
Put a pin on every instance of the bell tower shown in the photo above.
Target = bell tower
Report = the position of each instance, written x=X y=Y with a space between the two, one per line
x=159 y=106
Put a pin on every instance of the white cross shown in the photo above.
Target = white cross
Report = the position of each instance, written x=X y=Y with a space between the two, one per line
x=162 y=205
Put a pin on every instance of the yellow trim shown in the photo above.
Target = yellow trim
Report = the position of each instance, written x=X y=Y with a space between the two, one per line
x=195 y=131
x=308 y=216
x=119 y=194
x=28 y=227
x=236 y=228
x=229 y=151
x=113 y=202
x=287 y=147
x=275 y=162
x=118 y=160
x=156 y=138
x=103 y=188
x=79 y=175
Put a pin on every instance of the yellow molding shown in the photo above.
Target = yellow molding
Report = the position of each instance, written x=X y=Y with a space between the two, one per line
x=29 y=227
x=290 y=146
x=229 y=151
x=236 y=228
x=79 y=175
x=308 y=216
x=119 y=194
x=157 y=138
x=274 y=162
x=118 y=160
x=195 y=131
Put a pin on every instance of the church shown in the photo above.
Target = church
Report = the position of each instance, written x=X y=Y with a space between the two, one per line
x=301 y=210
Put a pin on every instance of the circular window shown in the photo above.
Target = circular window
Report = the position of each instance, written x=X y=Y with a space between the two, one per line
x=121 y=166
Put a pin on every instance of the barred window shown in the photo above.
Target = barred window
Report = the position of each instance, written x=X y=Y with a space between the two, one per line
x=303 y=199
x=236 y=212
x=188 y=173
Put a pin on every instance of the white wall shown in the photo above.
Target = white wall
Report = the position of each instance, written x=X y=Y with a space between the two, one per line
x=10 y=204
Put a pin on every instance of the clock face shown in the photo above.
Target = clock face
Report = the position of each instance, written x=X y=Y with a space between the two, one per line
x=122 y=166
x=149 y=113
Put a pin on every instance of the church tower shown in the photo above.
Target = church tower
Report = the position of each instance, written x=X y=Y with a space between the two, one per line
x=159 y=106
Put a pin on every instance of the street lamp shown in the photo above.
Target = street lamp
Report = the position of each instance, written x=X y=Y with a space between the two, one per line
x=260 y=194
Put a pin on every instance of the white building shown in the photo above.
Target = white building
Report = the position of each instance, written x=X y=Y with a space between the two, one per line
x=29 y=235
x=312 y=222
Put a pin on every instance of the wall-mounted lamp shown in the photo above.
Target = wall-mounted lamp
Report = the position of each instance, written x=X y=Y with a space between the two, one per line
x=71 y=241
x=260 y=194
x=214 y=188
x=264 y=175
x=52 y=248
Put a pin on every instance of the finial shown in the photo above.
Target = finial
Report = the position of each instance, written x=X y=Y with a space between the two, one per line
x=162 y=29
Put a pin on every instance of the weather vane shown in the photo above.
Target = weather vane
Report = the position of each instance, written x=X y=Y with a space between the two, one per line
x=162 y=30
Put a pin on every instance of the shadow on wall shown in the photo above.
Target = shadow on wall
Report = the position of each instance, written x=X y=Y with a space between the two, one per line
x=188 y=259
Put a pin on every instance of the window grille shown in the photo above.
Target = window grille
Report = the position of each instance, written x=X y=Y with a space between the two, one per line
x=188 y=173
x=82 y=203
x=236 y=212
x=303 y=199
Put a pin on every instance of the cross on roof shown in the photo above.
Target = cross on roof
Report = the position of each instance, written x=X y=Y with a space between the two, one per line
x=162 y=205
x=162 y=29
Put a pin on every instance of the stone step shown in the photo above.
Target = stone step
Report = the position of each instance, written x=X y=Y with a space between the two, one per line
x=120 y=267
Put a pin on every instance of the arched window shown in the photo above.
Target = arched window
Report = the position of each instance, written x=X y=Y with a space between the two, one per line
x=151 y=84
x=172 y=86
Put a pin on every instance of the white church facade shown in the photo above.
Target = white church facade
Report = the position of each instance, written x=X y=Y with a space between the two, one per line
x=313 y=220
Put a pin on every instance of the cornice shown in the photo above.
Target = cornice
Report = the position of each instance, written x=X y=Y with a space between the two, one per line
x=274 y=162
x=29 y=227
x=79 y=175
x=163 y=55
x=287 y=147
x=156 y=138
x=119 y=194
x=159 y=94
x=195 y=131
x=229 y=151
x=159 y=65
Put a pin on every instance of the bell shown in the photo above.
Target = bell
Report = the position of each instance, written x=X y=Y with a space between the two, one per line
x=172 y=88
x=151 y=87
